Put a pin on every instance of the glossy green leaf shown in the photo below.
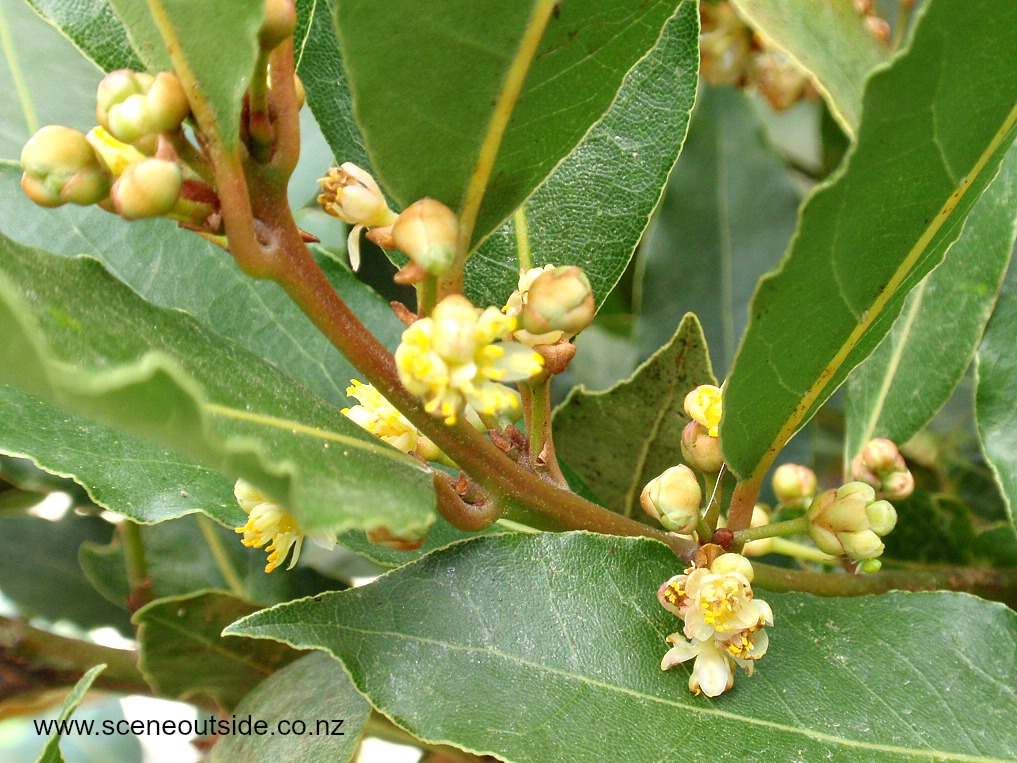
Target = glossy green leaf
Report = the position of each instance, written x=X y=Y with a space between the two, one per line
x=995 y=412
x=730 y=209
x=40 y=571
x=314 y=690
x=217 y=42
x=593 y=208
x=829 y=39
x=915 y=369
x=192 y=554
x=160 y=374
x=856 y=256
x=433 y=93
x=620 y=439
x=94 y=28
x=51 y=752
x=563 y=663
x=321 y=70
x=34 y=56
x=183 y=655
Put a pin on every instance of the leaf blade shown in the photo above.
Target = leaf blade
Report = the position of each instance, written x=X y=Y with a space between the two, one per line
x=833 y=251
x=563 y=675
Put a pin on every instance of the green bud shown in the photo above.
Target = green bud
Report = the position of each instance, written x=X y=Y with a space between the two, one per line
x=882 y=517
x=134 y=106
x=60 y=167
x=673 y=499
x=559 y=300
x=149 y=188
x=700 y=450
x=280 y=21
x=794 y=485
x=868 y=566
x=849 y=521
x=897 y=485
x=427 y=232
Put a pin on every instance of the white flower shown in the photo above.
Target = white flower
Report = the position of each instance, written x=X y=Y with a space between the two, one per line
x=712 y=672
x=272 y=526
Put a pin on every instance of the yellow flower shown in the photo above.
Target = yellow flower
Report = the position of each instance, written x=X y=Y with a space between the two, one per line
x=703 y=404
x=351 y=194
x=271 y=526
x=379 y=417
x=451 y=359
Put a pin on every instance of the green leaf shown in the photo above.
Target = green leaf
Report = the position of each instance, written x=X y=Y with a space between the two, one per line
x=95 y=30
x=856 y=255
x=440 y=95
x=191 y=554
x=51 y=752
x=34 y=57
x=320 y=68
x=218 y=45
x=531 y=670
x=916 y=368
x=620 y=439
x=41 y=574
x=829 y=39
x=728 y=213
x=996 y=371
x=314 y=690
x=73 y=334
x=145 y=482
x=593 y=208
x=183 y=655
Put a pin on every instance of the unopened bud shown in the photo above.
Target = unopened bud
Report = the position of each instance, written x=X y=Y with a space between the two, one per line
x=794 y=485
x=673 y=499
x=897 y=485
x=849 y=521
x=881 y=465
x=760 y=518
x=559 y=300
x=878 y=28
x=881 y=455
x=133 y=106
x=385 y=538
x=352 y=195
x=700 y=450
x=427 y=232
x=280 y=21
x=149 y=188
x=60 y=167
x=728 y=563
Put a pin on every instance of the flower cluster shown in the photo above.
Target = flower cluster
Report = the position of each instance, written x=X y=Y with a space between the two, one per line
x=379 y=417
x=724 y=624
x=452 y=359
x=271 y=526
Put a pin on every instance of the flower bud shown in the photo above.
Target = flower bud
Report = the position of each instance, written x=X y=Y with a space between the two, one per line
x=559 y=300
x=849 y=521
x=60 y=166
x=352 y=195
x=897 y=485
x=427 y=232
x=280 y=21
x=794 y=485
x=881 y=455
x=881 y=465
x=760 y=518
x=133 y=106
x=700 y=450
x=728 y=563
x=149 y=188
x=673 y=499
